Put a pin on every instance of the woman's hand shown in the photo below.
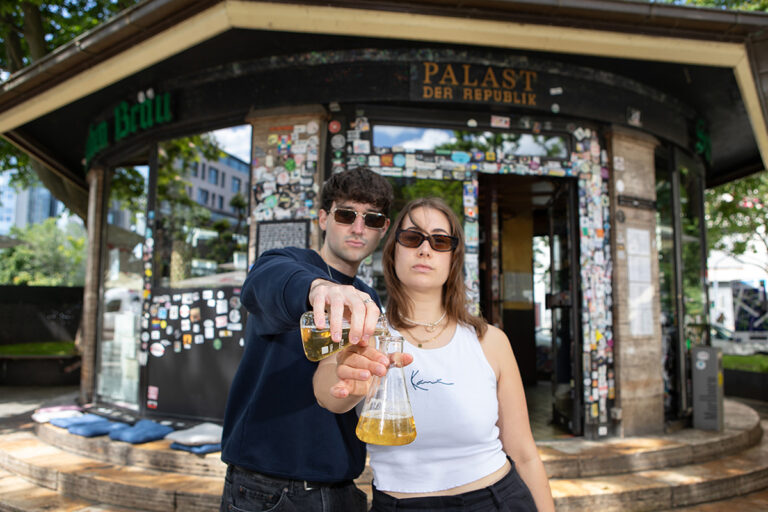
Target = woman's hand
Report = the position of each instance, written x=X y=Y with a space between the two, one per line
x=356 y=364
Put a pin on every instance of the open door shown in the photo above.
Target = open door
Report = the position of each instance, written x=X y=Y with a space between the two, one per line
x=567 y=409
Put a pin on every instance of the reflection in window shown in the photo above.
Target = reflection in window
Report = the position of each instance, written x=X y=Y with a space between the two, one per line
x=117 y=379
x=201 y=241
x=665 y=242
x=503 y=144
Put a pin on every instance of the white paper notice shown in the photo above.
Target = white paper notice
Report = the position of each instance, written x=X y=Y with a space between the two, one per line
x=640 y=285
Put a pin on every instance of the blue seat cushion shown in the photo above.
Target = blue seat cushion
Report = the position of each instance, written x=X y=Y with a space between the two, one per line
x=97 y=428
x=198 y=449
x=143 y=431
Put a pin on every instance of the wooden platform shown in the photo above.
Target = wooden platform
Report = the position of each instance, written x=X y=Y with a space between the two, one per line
x=45 y=468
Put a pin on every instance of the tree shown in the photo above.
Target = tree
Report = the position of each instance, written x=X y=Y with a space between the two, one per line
x=29 y=30
x=737 y=218
x=48 y=256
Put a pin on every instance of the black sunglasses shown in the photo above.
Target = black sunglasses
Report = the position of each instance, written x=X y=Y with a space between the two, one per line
x=413 y=239
x=373 y=220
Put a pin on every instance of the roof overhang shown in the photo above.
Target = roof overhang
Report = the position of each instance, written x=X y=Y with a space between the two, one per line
x=154 y=31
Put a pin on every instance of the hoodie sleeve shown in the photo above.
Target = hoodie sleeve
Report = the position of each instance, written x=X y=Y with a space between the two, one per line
x=275 y=290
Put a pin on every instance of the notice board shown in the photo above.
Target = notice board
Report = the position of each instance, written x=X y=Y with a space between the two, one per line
x=192 y=345
x=277 y=234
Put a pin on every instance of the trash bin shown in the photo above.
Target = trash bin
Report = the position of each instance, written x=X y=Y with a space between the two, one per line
x=707 y=376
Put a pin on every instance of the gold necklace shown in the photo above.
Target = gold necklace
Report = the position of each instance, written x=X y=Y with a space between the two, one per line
x=428 y=326
x=433 y=338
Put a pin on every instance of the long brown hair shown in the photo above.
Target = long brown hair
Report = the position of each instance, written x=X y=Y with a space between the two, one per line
x=399 y=304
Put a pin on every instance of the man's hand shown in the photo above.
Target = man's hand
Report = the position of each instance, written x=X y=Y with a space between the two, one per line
x=356 y=364
x=337 y=299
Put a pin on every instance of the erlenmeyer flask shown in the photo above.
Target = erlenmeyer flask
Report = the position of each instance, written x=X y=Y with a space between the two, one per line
x=387 y=417
x=318 y=343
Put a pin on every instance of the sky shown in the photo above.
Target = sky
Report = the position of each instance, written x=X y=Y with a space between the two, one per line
x=236 y=141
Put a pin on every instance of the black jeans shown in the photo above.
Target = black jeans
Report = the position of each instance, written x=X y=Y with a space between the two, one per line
x=247 y=491
x=510 y=494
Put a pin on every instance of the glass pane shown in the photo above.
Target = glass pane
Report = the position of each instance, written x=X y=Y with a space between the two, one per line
x=201 y=234
x=665 y=241
x=502 y=144
x=118 y=374
x=691 y=216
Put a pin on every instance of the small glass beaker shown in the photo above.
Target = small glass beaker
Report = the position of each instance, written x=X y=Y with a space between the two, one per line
x=387 y=418
x=318 y=343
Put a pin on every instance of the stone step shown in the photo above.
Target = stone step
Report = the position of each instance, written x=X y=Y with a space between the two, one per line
x=577 y=457
x=19 y=495
x=567 y=458
x=752 y=502
x=76 y=476
x=662 y=489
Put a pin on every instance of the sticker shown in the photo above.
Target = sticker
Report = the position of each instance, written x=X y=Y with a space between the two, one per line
x=361 y=146
x=221 y=307
x=460 y=157
x=185 y=325
x=217 y=344
x=225 y=334
x=234 y=302
x=220 y=294
x=194 y=314
x=334 y=127
x=399 y=160
x=235 y=327
x=145 y=336
x=153 y=392
x=199 y=339
x=187 y=341
x=312 y=127
x=272 y=139
x=211 y=303
x=500 y=121
x=221 y=321
x=157 y=349
x=207 y=294
x=338 y=141
x=234 y=315
x=208 y=332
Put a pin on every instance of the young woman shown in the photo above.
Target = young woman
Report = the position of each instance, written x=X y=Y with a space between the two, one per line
x=474 y=450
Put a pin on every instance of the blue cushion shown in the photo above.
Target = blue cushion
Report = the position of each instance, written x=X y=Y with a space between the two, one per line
x=143 y=431
x=79 y=420
x=198 y=449
x=97 y=428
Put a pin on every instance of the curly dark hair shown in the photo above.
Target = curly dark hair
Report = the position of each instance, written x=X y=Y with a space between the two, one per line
x=358 y=184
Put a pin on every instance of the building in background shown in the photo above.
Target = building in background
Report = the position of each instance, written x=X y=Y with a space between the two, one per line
x=21 y=208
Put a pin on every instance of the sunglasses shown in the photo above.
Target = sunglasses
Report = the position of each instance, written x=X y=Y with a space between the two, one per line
x=373 y=220
x=413 y=239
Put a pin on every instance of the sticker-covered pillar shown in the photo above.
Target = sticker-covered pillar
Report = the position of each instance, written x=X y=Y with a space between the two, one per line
x=640 y=399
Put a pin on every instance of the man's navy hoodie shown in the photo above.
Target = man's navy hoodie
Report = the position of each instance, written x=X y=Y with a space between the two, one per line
x=273 y=424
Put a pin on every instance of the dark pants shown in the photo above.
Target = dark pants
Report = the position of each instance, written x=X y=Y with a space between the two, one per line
x=510 y=494
x=246 y=491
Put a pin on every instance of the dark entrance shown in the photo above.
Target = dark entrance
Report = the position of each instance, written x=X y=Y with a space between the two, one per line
x=530 y=228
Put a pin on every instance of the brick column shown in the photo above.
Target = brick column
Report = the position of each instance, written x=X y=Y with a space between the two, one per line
x=637 y=327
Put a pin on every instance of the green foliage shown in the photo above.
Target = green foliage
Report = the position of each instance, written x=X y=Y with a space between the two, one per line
x=49 y=256
x=741 y=5
x=30 y=29
x=45 y=348
x=737 y=216
x=754 y=363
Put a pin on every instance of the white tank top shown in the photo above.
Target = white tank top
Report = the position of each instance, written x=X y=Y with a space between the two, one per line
x=452 y=390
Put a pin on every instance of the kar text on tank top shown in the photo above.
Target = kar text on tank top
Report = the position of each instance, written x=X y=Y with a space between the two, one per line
x=452 y=390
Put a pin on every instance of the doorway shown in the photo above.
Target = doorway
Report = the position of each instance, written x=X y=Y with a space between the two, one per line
x=534 y=261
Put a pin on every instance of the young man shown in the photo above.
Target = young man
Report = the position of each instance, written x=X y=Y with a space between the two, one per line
x=279 y=444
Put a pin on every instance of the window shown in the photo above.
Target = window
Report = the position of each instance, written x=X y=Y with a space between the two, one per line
x=202 y=171
x=235 y=185
x=213 y=199
x=195 y=166
x=221 y=203
x=202 y=196
x=213 y=176
x=223 y=179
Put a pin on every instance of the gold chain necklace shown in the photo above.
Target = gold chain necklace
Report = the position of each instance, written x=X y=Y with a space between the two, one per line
x=428 y=326
x=433 y=338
